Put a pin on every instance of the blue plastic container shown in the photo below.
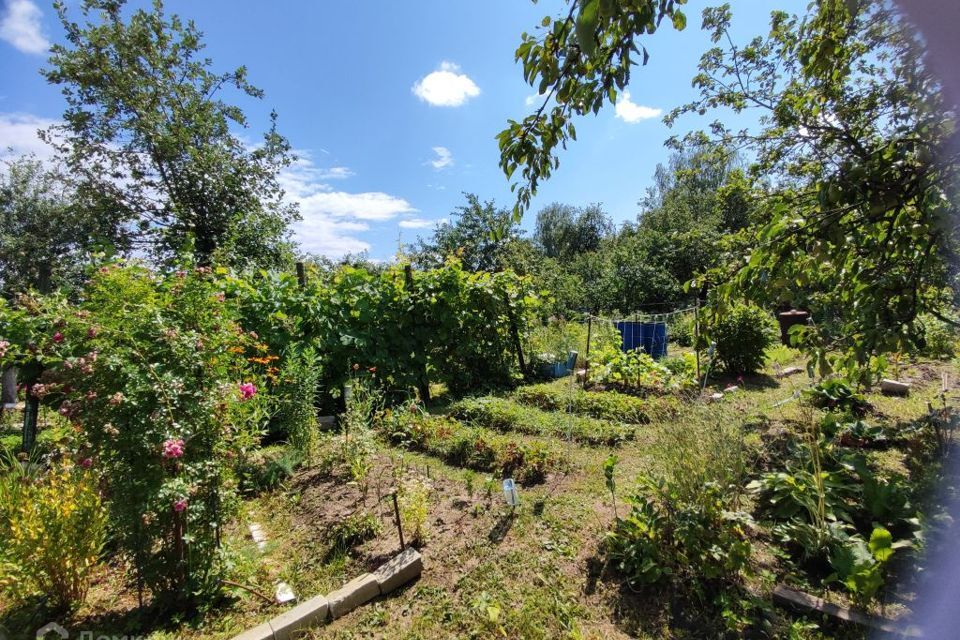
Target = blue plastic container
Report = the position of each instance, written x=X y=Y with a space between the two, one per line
x=649 y=336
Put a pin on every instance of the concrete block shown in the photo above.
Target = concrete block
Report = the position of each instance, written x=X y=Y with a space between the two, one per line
x=358 y=591
x=284 y=594
x=790 y=371
x=260 y=632
x=306 y=614
x=731 y=389
x=894 y=388
x=715 y=397
x=399 y=570
x=258 y=535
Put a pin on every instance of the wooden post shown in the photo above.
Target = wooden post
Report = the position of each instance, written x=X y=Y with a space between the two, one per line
x=515 y=333
x=696 y=333
x=396 y=512
x=31 y=410
x=301 y=275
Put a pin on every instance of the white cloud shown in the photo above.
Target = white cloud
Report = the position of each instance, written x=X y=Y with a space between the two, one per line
x=419 y=223
x=446 y=87
x=373 y=206
x=22 y=28
x=18 y=136
x=534 y=99
x=631 y=112
x=444 y=158
x=332 y=219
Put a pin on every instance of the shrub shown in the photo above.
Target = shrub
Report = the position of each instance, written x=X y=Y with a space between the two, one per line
x=939 y=339
x=294 y=394
x=155 y=376
x=413 y=500
x=742 y=335
x=52 y=529
x=690 y=539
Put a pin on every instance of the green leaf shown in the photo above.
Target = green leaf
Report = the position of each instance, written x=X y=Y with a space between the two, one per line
x=587 y=26
x=881 y=544
x=679 y=20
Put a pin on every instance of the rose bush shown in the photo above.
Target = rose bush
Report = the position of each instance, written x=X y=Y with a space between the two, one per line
x=154 y=374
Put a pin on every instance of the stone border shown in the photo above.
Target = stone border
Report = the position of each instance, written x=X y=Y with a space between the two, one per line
x=396 y=572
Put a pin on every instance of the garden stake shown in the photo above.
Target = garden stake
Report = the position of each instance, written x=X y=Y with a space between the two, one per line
x=396 y=512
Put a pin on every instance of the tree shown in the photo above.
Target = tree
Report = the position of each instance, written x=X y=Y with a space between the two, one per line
x=147 y=134
x=861 y=226
x=684 y=195
x=563 y=232
x=478 y=234
x=46 y=240
x=579 y=63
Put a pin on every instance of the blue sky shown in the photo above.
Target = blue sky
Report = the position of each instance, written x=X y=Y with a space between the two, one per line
x=393 y=106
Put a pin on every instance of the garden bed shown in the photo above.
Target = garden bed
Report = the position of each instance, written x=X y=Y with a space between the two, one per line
x=505 y=415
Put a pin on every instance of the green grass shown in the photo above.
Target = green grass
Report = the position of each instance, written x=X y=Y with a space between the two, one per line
x=505 y=415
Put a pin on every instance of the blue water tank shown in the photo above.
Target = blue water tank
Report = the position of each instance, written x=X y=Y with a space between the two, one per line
x=649 y=336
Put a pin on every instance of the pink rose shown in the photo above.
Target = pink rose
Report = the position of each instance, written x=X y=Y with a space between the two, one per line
x=116 y=398
x=173 y=448
x=247 y=390
x=180 y=505
x=58 y=337
x=86 y=463
x=92 y=332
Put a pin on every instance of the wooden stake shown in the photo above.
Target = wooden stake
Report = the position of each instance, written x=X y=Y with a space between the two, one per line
x=301 y=275
x=396 y=512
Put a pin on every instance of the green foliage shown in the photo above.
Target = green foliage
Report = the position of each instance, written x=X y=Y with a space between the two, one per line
x=501 y=414
x=636 y=372
x=477 y=236
x=45 y=239
x=267 y=469
x=577 y=62
x=939 y=340
x=836 y=394
x=52 y=529
x=471 y=447
x=563 y=232
x=742 y=334
x=444 y=325
x=294 y=394
x=693 y=541
x=854 y=229
x=860 y=564
x=353 y=530
x=606 y=405
x=413 y=500
x=551 y=342
x=152 y=373
x=150 y=138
